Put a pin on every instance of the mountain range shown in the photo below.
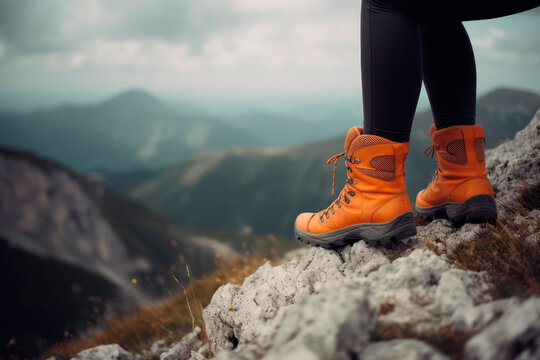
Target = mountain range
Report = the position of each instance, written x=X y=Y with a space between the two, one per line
x=132 y=130
x=263 y=189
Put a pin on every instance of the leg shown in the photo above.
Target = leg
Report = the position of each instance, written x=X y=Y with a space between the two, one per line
x=391 y=70
x=391 y=62
x=449 y=73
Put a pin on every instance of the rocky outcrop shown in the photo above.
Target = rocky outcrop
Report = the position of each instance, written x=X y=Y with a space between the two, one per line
x=515 y=163
x=182 y=349
x=408 y=348
x=342 y=304
x=311 y=301
x=104 y=352
x=515 y=335
x=49 y=211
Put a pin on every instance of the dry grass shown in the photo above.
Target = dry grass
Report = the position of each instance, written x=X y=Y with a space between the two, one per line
x=512 y=263
x=529 y=197
x=430 y=245
x=169 y=320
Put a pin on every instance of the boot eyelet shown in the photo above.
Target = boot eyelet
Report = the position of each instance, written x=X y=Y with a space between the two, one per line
x=327 y=216
x=350 y=192
x=437 y=147
x=321 y=218
x=332 y=210
x=357 y=160
x=347 y=200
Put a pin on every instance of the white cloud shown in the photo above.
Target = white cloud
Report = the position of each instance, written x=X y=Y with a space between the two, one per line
x=493 y=48
x=208 y=45
x=83 y=16
x=284 y=7
x=489 y=41
x=316 y=44
x=135 y=54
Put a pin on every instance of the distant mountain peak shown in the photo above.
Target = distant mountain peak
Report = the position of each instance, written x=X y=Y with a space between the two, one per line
x=135 y=96
x=508 y=95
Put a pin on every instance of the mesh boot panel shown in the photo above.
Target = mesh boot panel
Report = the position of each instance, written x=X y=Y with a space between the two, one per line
x=479 y=145
x=455 y=152
x=351 y=135
x=384 y=163
x=385 y=168
x=367 y=141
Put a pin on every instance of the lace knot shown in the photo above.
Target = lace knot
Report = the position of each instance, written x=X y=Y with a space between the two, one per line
x=430 y=151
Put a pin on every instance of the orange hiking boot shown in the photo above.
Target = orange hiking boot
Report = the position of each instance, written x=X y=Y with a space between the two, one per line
x=373 y=205
x=460 y=189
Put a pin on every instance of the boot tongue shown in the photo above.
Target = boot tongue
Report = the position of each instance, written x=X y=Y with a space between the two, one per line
x=353 y=133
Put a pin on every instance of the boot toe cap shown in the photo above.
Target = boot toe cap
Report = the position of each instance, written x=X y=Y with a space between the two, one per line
x=420 y=201
x=303 y=220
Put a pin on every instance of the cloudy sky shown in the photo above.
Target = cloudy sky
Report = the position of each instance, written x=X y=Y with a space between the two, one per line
x=85 y=50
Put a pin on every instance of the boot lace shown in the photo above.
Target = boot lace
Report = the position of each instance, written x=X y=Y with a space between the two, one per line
x=429 y=152
x=346 y=189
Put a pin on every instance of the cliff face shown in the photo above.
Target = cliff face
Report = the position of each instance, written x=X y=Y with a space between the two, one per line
x=410 y=300
x=69 y=250
x=48 y=211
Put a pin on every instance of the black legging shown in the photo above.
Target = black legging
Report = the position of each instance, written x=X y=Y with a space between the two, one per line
x=403 y=41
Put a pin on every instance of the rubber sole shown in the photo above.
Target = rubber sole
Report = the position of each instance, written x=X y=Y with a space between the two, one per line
x=477 y=209
x=401 y=227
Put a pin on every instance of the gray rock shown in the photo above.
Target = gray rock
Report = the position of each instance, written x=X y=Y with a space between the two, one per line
x=332 y=324
x=475 y=318
x=403 y=349
x=197 y=356
x=158 y=347
x=516 y=334
x=182 y=349
x=201 y=352
x=237 y=312
x=447 y=236
x=104 y=352
x=533 y=239
x=266 y=317
x=425 y=291
x=515 y=163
